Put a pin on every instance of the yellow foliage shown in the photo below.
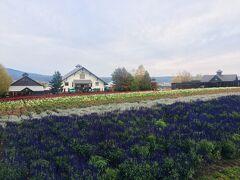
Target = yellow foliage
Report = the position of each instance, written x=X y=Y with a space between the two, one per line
x=5 y=80
x=182 y=77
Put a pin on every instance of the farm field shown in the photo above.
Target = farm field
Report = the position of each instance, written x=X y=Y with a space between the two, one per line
x=162 y=142
x=27 y=106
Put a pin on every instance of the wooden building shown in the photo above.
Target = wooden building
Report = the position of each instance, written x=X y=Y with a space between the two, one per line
x=220 y=80
x=25 y=86
x=208 y=81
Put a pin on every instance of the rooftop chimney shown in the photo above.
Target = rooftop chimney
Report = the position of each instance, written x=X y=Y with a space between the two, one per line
x=219 y=72
x=25 y=74
x=78 y=66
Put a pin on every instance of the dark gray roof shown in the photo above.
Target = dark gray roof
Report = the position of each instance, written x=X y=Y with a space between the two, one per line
x=207 y=78
x=78 y=68
x=228 y=77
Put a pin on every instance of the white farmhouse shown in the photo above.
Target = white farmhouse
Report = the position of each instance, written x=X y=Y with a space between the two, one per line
x=80 y=79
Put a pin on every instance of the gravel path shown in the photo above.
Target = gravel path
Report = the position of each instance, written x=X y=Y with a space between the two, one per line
x=112 y=107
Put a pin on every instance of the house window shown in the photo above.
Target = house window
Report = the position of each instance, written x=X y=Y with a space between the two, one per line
x=82 y=76
x=66 y=84
x=96 y=83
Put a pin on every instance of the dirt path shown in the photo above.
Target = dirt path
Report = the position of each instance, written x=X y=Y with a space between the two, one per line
x=216 y=167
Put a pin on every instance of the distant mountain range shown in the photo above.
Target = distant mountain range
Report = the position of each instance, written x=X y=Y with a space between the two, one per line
x=16 y=74
x=160 y=80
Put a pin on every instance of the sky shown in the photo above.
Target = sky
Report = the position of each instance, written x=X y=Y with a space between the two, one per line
x=199 y=36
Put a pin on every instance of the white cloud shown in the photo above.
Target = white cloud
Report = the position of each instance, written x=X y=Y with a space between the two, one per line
x=43 y=36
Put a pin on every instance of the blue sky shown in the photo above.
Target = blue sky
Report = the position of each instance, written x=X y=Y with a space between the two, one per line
x=165 y=36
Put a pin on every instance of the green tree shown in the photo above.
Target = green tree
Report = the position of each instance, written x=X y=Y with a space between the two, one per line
x=122 y=79
x=56 y=83
x=5 y=80
x=145 y=83
x=142 y=80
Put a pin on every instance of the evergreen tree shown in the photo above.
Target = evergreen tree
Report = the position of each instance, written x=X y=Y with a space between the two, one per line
x=56 y=83
x=5 y=81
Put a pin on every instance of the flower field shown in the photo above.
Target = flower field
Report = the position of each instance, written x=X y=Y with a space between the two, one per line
x=162 y=142
x=25 y=106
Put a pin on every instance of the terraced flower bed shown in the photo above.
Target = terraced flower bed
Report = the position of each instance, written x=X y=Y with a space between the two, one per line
x=22 y=107
x=162 y=142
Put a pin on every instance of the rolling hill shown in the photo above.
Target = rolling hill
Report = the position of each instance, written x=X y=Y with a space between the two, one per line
x=16 y=74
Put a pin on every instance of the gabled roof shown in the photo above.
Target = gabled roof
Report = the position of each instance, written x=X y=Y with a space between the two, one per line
x=78 y=68
x=26 y=81
x=225 y=78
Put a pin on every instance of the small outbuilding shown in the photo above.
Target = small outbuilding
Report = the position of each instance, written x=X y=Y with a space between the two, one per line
x=25 y=86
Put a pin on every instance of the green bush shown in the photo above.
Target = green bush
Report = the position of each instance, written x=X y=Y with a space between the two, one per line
x=152 y=142
x=169 y=168
x=236 y=137
x=206 y=147
x=110 y=174
x=228 y=150
x=133 y=170
x=98 y=161
x=142 y=150
x=236 y=115
x=161 y=124
x=9 y=172
x=84 y=150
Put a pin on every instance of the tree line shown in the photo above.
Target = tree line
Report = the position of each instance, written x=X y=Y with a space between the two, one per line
x=123 y=80
x=140 y=80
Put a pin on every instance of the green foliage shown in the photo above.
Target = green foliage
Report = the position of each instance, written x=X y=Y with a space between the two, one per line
x=84 y=150
x=236 y=115
x=236 y=137
x=110 y=174
x=5 y=81
x=8 y=172
x=124 y=81
x=169 y=168
x=62 y=163
x=229 y=150
x=142 y=150
x=232 y=173
x=56 y=83
x=206 y=147
x=134 y=85
x=114 y=155
x=142 y=80
x=120 y=123
x=98 y=161
x=145 y=82
x=152 y=141
x=161 y=124
x=40 y=162
x=131 y=169
x=121 y=79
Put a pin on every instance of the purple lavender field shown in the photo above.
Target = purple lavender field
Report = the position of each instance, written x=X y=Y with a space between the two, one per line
x=162 y=142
